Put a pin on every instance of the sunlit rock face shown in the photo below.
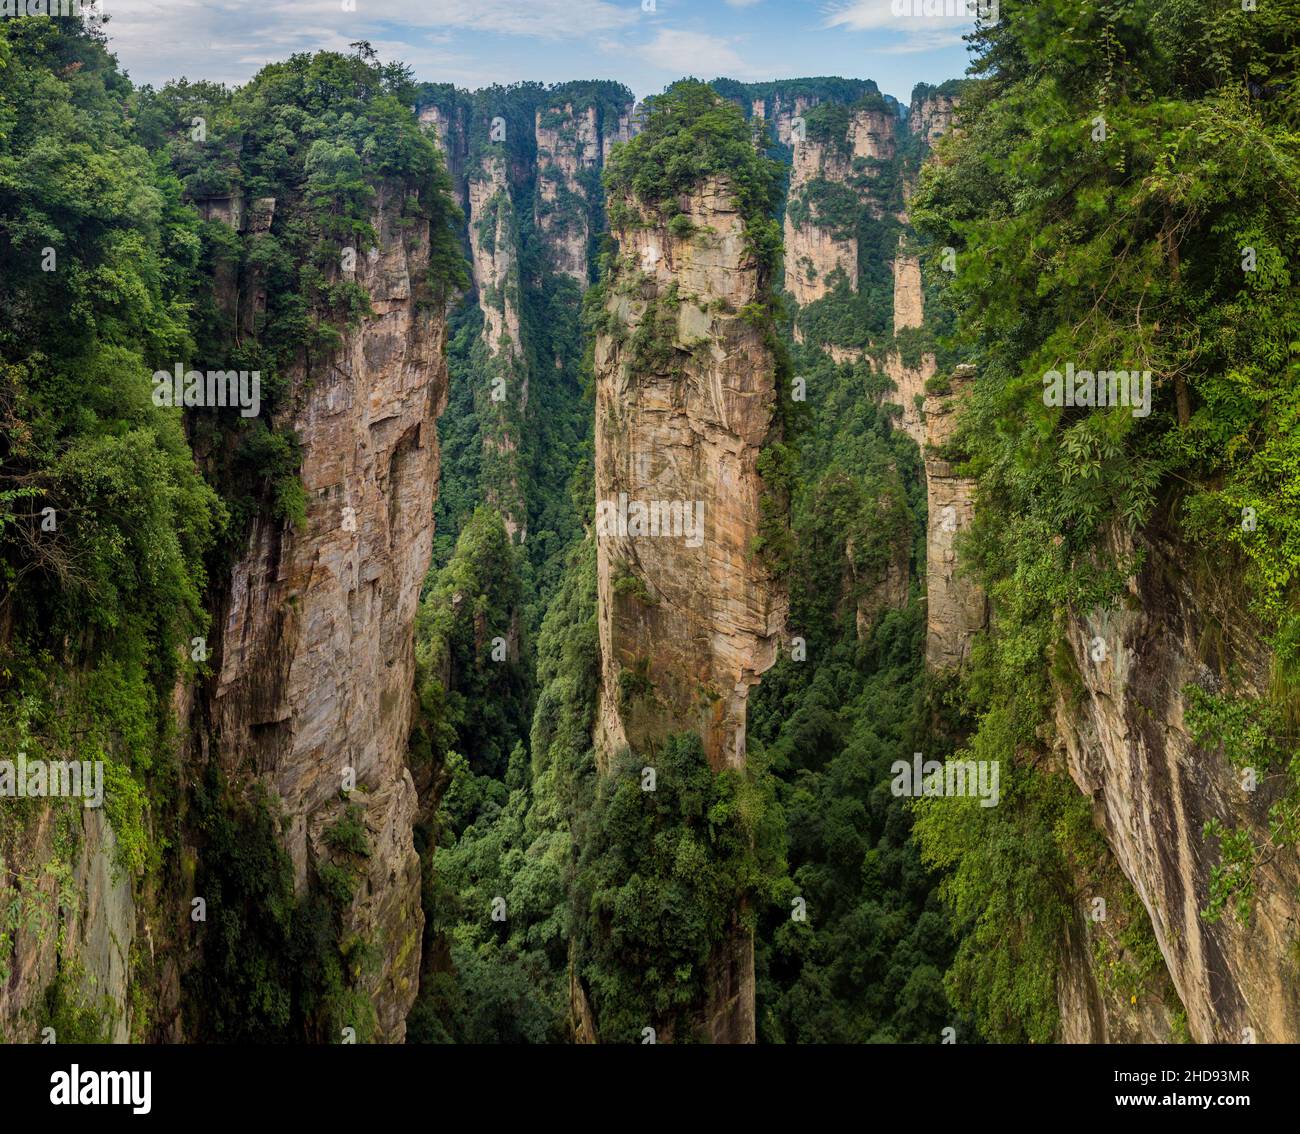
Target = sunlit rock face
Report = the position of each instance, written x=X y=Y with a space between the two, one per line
x=690 y=618
x=316 y=674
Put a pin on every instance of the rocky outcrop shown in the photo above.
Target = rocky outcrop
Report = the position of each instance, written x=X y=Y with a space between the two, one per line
x=689 y=621
x=817 y=253
x=316 y=673
x=932 y=115
x=909 y=312
x=956 y=607
x=1122 y=726
x=501 y=399
x=688 y=618
x=571 y=145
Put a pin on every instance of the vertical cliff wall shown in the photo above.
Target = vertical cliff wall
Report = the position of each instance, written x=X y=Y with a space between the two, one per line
x=60 y=887
x=685 y=399
x=956 y=608
x=684 y=404
x=820 y=241
x=573 y=144
x=316 y=673
x=932 y=113
x=568 y=145
x=501 y=397
x=1124 y=733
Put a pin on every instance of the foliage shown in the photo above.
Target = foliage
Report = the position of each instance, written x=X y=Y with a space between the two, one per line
x=690 y=135
x=1117 y=250
x=664 y=879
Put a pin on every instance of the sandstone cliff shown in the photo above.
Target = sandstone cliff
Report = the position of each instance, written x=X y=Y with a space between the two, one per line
x=817 y=250
x=501 y=399
x=685 y=398
x=568 y=144
x=932 y=114
x=909 y=312
x=955 y=604
x=694 y=625
x=1126 y=741
x=60 y=886
x=449 y=131
x=316 y=671
x=572 y=145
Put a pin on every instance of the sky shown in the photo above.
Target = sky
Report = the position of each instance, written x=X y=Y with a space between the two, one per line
x=646 y=44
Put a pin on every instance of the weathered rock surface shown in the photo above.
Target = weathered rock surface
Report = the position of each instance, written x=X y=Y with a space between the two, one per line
x=450 y=134
x=686 y=631
x=816 y=255
x=494 y=256
x=1096 y=1005
x=955 y=604
x=909 y=381
x=316 y=670
x=1127 y=745
x=710 y=618
x=75 y=915
x=571 y=144
x=502 y=400
x=933 y=115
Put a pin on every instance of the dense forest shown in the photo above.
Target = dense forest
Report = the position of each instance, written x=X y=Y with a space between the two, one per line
x=401 y=742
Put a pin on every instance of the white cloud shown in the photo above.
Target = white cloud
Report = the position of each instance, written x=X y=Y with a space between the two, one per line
x=694 y=53
x=229 y=40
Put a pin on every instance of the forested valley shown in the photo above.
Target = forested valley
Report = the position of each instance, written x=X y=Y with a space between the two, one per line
x=658 y=592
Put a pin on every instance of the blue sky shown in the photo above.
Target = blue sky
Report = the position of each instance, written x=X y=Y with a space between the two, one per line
x=643 y=43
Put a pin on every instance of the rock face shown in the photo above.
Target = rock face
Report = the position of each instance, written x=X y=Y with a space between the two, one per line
x=501 y=402
x=316 y=672
x=690 y=620
x=568 y=143
x=781 y=111
x=571 y=146
x=687 y=621
x=1097 y=1005
x=449 y=132
x=92 y=917
x=816 y=254
x=626 y=127
x=909 y=311
x=932 y=115
x=494 y=256
x=1126 y=742
x=956 y=605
